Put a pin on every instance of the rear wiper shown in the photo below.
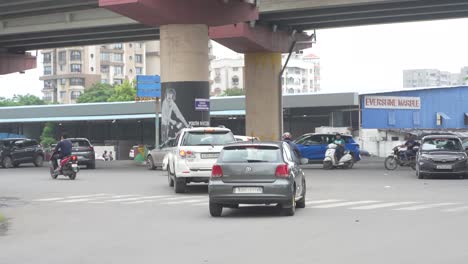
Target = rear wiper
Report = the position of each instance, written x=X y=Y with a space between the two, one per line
x=256 y=161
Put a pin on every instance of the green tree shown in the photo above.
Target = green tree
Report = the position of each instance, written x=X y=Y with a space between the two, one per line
x=124 y=92
x=233 y=92
x=47 y=137
x=19 y=100
x=97 y=93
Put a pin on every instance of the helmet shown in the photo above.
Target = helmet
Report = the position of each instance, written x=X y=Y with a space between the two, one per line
x=287 y=135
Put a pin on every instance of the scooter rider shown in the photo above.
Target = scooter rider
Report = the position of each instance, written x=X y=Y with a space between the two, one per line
x=62 y=150
x=340 y=146
x=287 y=137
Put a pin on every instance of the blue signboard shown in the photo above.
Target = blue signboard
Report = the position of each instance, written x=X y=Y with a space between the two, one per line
x=202 y=104
x=148 y=86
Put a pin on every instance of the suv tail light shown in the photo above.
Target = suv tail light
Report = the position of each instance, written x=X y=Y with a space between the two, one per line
x=217 y=172
x=91 y=148
x=186 y=154
x=282 y=171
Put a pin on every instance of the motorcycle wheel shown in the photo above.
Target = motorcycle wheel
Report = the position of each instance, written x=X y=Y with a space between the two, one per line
x=52 y=173
x=327 y=165
x=391 y=163
x=348 y=165
x=72 y=176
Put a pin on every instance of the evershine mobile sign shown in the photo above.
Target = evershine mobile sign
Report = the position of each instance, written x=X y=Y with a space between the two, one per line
x=392 y=102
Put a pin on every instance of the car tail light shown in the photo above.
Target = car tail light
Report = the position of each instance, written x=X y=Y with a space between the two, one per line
x=282 y=171
x=217 y=172
x=186 y=154
x=182 y=153
x=91 y=148
x=73 y=158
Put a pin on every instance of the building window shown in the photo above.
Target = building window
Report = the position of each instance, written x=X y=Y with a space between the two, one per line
x=63 y=81
x=138 y=58
x=62 y=67
x=440 y=118
x=130 y=45
x=118 y=81
x=104 y=81
x=130 y=57
x=235 y=81
x=131 y=71
x=77 y=81
x=118 y=46
x=92 y=55
x=47 y=58
x=466 y=119
x=139 y=70
x=105 y=56
x=75 y=55
x=235 y=69
x=290 y=80
x=217 y=79
x=62 y=95
x=217 y=72
x=118 y=70
x=74 y=95
x=75 y=67
x=118 y=57
x=104 y=68
x=391 y=118
x=139 y=45
x=62 y=57
x=47 y=97
x=48 y=84
x=47 y=70
x=92 y=69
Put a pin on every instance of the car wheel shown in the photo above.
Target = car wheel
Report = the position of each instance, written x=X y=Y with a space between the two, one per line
x=215 y=209
x=290 y=210
x=91 y=166
x=16 y=165
x=7 y=162
x=302 y=202
x=72 y=176
x=391 y=163
x=179 y=185
x=39 y=161
x=150 y=163
x=169 y=177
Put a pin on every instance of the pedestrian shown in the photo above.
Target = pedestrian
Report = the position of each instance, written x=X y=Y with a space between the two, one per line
x=111 y=158
x=105 y=156
x=287 y=137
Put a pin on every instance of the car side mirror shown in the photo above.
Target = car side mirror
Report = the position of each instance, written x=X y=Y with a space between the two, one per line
x=466 y=149
x=304 y=161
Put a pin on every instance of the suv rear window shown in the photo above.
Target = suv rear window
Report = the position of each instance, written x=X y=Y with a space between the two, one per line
x=442 y=144
x=80 y=143
x=207 y=138
x=241 y=154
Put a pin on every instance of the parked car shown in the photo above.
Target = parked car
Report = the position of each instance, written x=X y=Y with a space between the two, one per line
x=193 y=154
x=441 y=155
x=314 y=146
x=84 y=150
x=156 y=156
x=14 y=152
x=257 y=173
x=245 y=138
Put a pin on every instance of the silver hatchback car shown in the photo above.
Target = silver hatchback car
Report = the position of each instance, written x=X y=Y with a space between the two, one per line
x=257 y=173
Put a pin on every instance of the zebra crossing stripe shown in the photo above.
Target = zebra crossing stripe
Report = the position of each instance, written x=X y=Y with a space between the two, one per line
x=137 y=198
x=48 y=199
x=322 y=201
x=77 y=200
x=86 y=196
x=456 y=209
x=123 y=196
x=382 y=205
x=186 y=201
x=342 y=204
x=424 y=206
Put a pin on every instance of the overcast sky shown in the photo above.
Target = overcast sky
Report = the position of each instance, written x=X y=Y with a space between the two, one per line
x=352 y=59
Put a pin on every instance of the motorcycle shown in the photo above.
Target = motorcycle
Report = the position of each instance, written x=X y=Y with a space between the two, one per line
x=397 y=158
x=68 y=167
x=330 y=161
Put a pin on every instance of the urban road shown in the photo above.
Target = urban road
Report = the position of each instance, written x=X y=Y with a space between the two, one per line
x=123 y=213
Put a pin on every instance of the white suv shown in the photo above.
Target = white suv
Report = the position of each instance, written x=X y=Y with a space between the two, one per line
x=193 y=155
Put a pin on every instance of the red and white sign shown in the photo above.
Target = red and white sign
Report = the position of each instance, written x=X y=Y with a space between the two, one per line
x=392 y=102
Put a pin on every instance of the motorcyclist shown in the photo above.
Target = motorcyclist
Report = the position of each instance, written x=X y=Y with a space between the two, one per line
x=340 y=146
x=409 y=144
x=62 y=150
x=287 y=137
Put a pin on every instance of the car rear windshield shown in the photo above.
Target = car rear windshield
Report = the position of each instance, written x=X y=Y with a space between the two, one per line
x=208 y=138
x=80 y=143
x=442 y=144
x=240 y=154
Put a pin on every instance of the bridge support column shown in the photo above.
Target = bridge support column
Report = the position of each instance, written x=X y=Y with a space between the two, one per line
x=184 y=78
x=264 y=113
x=11 y=63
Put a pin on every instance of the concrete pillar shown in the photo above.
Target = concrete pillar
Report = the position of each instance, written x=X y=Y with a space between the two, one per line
x=264 y=113
x=184 y=78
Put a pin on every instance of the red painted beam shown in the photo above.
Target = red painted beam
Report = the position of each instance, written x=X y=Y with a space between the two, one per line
x=243 y=38
x=165 y=12
x=11 y=63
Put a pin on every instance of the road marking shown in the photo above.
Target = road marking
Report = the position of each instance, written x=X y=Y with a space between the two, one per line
x=456 y=209
x=200 y=204
x=322 y=201
x=137 y=198
x=186 y=201
x=48 y=200
x=86 y=196
x=123 y=196
x=77 y=200
x=178 y=198
x=382 y=205
x=424 y=206
x=342 y=204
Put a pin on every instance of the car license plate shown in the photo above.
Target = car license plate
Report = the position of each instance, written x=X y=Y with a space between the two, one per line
x=74 y=165
x=248 y=190
x=209 y=155
x=444 y=167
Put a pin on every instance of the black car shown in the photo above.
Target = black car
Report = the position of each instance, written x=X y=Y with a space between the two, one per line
x=441 y=155
x=16 y=151
x=84 y=150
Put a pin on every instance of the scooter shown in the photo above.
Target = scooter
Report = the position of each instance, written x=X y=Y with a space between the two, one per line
x=330 y=162
x=68 y=167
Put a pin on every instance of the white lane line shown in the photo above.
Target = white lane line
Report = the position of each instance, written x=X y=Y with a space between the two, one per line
x=123 y=196
x=382 y=205
x=186 y=201
x=48 y=199
x=456 y=209
x=423 y=206
x=86 y=196
x=322 y=201
x=77 y=200
x=200 y=204
x=178 y=198
x=137 y=198
x=158 y=200
x=342 y=204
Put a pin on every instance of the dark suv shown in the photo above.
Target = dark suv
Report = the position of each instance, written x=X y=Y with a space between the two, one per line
x=82 y=148
x=14 y=152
